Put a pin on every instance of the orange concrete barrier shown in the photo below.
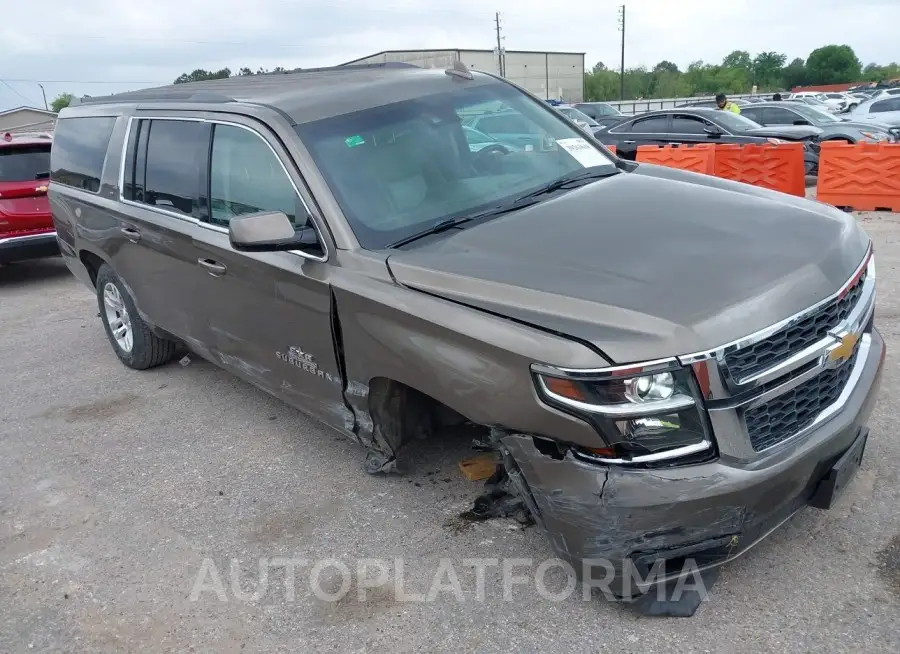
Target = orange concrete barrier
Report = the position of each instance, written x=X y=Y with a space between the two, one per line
x=612 y=149
x=777 y=167
x=696 y=158
x=863 y=177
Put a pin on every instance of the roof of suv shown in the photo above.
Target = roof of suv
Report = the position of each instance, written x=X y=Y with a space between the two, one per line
x=308 y=95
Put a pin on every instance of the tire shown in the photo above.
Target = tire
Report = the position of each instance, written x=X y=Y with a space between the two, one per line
x=144 y=349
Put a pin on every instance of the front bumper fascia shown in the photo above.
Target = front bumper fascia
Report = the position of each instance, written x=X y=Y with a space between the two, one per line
x=713 y=512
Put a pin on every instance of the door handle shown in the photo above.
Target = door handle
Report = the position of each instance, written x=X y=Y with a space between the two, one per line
x=132 y=235
x=213 y=267
x=629 y=142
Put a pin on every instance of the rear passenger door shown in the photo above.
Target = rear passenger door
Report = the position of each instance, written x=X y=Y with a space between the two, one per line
x=158 y=215
x=652 y=130
x=268 y=314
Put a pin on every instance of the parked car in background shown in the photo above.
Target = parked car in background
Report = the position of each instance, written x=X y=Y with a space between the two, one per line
x=833 y=128
x=886 y=93
x=26 y=226
x=602 y=112
x=579 y=118
x=883 y=109
x=815 y=102
x=507 y=127
x=700 y=125
x=479 y=141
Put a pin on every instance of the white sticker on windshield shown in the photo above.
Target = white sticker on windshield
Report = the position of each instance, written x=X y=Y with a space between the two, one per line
x=585 y=153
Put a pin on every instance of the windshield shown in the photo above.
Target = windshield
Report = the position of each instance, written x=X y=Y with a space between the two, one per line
x=814 y=114
x=736 y=122
x=400 y=168
x=24 y=163
x=575 y=114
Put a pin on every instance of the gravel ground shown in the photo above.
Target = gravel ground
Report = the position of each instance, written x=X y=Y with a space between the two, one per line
x=119 y=490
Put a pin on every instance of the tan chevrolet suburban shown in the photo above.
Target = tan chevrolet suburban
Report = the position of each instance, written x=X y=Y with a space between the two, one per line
x=669 y=364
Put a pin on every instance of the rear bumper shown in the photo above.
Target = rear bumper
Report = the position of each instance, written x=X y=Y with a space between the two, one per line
x=615 y=524
x=32 y=246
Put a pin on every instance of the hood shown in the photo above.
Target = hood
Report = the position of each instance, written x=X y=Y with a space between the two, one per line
x=792 y=132
x=859 y=124
x=646 y=264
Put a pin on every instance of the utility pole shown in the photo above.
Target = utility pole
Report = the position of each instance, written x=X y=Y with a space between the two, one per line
x=499 y=48
x=44 y=93
x=622 y=65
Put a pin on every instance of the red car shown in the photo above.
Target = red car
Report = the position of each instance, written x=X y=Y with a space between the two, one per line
x=26 y=227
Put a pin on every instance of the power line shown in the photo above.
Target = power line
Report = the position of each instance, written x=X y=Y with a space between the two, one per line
x=14 y=91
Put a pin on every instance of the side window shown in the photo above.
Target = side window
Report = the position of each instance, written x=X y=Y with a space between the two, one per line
x=688 y=125
x=79 y=150
x=651 y=125
x=247 y=177
x=754 y=114
x=589 y=110
x=175 y=152
x=779 y=116
x=881 y=106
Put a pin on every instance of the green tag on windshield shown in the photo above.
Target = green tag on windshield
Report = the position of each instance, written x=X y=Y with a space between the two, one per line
x=353 y=141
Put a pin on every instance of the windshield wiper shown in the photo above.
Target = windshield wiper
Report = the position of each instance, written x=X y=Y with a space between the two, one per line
x=437 y=228
x=572 y=180
x=575 y=179
x=455 y=221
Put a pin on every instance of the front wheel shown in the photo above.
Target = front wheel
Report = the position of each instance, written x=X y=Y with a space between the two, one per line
x=131 y=338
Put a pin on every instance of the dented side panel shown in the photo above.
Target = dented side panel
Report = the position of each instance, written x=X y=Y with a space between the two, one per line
x=475 y=363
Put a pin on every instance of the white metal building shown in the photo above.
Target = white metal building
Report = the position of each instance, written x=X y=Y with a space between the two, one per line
x=556 y=75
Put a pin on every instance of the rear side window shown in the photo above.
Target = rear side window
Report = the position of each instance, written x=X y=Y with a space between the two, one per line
x=24 y=163
x=163 y=164
x=79 y=150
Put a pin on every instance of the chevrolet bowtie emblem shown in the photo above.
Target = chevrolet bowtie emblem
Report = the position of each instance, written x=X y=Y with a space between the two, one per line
x=844 y=350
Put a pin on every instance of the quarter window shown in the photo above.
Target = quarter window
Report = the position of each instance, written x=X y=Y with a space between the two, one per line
x=247 y=177
x=79 y=150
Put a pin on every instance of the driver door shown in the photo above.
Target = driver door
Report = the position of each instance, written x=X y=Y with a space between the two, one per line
x=268 y=314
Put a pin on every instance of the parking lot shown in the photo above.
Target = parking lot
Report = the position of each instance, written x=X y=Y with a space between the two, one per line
x=119 y=488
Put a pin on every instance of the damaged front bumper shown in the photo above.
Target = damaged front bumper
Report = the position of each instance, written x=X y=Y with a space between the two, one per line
x=600 y=516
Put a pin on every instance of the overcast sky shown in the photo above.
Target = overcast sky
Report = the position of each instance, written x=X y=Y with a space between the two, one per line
x=103 y=46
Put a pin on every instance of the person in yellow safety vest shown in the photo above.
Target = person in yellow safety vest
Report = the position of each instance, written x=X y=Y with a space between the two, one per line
x=723 y=104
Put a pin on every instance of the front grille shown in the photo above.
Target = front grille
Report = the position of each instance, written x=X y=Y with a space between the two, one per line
x=789 y=341
x=786 y=415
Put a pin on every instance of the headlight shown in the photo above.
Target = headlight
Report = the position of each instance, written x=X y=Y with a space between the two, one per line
x=644 y=413
x=776 y=141
x=875 y=137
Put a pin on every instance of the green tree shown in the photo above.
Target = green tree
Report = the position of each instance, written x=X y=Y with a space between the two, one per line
x=833 y=64
x=665 y=66
x=61 y=101
x=794 y=74
x=738 y=59
x=767 y=68
x=200 y=74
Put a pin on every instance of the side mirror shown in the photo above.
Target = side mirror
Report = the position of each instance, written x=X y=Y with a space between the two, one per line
x=269 y=231
x=801 y=121
x=712 y=131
